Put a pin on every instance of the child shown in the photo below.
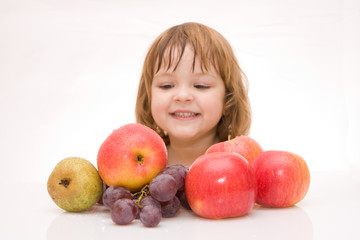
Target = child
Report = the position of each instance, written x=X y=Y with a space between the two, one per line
x=192 y=91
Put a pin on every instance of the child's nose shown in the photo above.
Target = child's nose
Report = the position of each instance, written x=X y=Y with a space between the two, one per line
x=183 y=95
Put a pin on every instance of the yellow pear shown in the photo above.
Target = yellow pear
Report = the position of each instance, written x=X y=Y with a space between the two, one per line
x=75 y=184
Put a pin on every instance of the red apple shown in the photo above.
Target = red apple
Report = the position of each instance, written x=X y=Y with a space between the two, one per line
x=221 y=185
x=131 y=156
x=244 y=145
x=283 y=178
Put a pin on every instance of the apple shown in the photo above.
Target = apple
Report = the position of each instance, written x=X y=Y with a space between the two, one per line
x=283 y=178
x=244 y=145
x=74 y=184
x=221 y=185
x=131 y=156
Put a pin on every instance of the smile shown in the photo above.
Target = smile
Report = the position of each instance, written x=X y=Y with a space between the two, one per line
x=184 y=114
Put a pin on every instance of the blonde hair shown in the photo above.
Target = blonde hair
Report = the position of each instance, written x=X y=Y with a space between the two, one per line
x=211 y=48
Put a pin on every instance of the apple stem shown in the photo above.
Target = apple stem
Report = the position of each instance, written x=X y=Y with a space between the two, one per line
x=65 y=182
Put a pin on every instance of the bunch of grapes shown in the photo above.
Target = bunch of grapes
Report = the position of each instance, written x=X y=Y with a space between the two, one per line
x=162 y=197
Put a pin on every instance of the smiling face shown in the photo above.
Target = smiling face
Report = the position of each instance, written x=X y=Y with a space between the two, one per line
x=186 y=100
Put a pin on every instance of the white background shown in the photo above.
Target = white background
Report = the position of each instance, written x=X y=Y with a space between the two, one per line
x=69 y=72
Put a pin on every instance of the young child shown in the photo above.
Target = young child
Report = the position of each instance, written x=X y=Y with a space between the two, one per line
x=192 y=91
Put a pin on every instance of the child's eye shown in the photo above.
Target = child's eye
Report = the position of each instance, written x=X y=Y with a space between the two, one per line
x=166 y=86
x=201 y=86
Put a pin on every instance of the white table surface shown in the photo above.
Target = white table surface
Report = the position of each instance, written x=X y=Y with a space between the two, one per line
x=330 y=210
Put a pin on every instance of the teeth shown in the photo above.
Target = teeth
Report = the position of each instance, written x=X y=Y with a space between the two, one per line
x=183 y=114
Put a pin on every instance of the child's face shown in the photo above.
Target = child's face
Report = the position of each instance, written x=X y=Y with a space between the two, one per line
x=187 y=104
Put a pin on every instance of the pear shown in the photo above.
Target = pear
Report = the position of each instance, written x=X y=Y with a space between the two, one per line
x=75 y=184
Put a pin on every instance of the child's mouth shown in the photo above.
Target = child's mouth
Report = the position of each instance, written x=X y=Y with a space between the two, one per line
x=184 y=114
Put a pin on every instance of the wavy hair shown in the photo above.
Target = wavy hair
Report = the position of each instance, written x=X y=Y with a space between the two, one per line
x=210 y=48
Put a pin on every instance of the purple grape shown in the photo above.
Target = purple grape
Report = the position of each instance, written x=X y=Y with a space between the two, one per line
x=137 y=211
x=163 y=187
x=124 y=211
x=178 y=172
x=148 y=200
x=114 y=193
x=182 y=197
x=150 y=215
x=170 y=208
x=187 y=167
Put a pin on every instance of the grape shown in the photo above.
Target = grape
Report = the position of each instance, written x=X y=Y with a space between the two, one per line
x=137 y=211
x=162 y=197
x=114 y=193
x=148 y=200
x=182 y=197
x=163 y=187
x=170 y=208
x=178 y=172
x=187 y=167
x=150 y=215
x=124 y=211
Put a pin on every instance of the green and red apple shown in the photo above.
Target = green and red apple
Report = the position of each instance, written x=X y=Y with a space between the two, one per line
x=221 y=185
x=244 y=145
x=131 y=156
x=74 y=184
x=283 y=178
